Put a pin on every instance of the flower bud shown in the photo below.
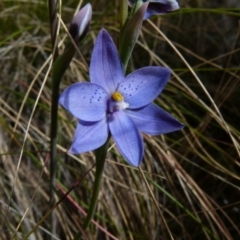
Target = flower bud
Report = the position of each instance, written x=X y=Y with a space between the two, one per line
x=80 y=23
x=157 y=7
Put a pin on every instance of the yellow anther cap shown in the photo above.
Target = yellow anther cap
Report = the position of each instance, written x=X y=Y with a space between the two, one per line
x=117 y=96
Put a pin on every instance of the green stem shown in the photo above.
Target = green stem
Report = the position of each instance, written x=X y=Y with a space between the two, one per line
x=52 y=7
x=52 y=11
x=59 y=67
x=123 y=12
x=100 y=154
x=53 y=150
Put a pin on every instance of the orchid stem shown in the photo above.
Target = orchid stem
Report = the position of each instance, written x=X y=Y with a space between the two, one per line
x=59 y=67
x=52 y=10
x=52 y=6
x=53 y=150
x=100 y=154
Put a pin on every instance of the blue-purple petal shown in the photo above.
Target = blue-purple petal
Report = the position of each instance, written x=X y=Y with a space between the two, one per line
x=161 y=7
x=127 y=137
x=85 y=101
x=156 y=7
x=89 y=136
x=106 y=68
x=143 y=85
x=153 y=120
x=80 y=22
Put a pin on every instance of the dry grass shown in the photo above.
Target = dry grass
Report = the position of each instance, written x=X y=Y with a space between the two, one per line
x=193 y=174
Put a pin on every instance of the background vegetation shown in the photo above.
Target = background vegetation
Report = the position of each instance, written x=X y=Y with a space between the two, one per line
x=193 y=174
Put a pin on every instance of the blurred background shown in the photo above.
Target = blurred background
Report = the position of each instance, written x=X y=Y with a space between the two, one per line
x=194 y=173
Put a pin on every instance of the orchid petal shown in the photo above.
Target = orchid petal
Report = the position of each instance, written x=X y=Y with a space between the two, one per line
x=85 y=101
x=143 y=85
x=161 y=7
x=127 y=137
x=106 y=68
x=89 y=136
x=153 y=120
x=157 y=7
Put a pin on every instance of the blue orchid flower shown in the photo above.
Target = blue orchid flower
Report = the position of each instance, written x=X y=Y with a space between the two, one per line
x=156 y=7
x=116 y=104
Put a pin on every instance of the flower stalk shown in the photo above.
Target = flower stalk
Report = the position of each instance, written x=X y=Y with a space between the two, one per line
x=100 y=154
x=80 y=23
x=59 y=68
x=53 y=6
x=52 y=10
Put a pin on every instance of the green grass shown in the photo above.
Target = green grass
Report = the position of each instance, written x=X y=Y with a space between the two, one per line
x=194 y=174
